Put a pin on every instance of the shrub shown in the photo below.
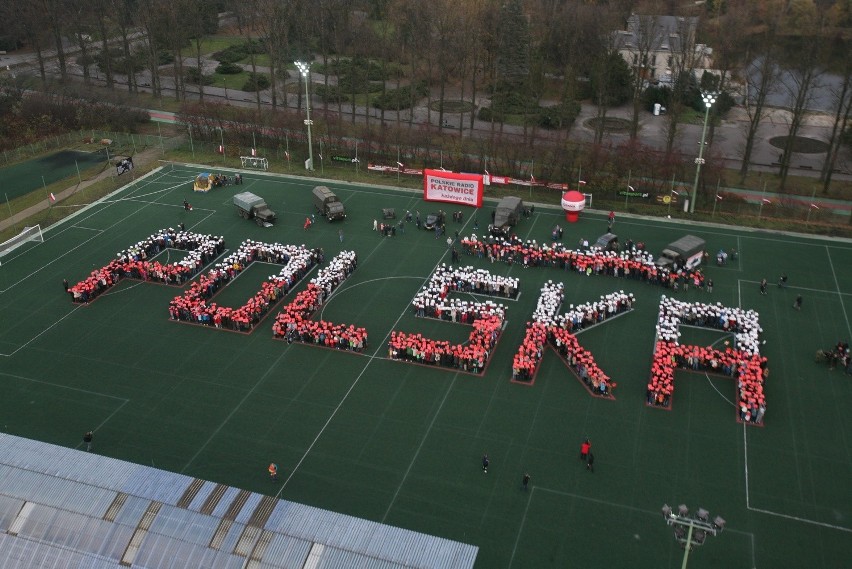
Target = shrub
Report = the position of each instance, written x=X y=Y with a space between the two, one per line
x=560 y=116
x=228 y=69
x=256 y=82
x=331 y=94
x=165 y=57
x=398 y=99
x=230 y=55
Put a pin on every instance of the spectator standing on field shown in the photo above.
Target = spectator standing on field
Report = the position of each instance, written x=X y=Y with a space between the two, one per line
x=585 y=448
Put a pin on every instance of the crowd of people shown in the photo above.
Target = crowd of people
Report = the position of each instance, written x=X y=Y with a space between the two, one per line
x=744 y=324
x=471 y=357
x=742 y=361
x=548 y=326
x=135 y=262
x=838 y=355
x=632 y=262
x=294 y=322
x=432 y=301
x=194 y=305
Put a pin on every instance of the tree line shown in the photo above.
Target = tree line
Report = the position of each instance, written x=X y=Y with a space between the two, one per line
x=522 y=62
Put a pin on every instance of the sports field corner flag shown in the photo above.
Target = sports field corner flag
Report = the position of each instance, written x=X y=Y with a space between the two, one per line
x=52 y=197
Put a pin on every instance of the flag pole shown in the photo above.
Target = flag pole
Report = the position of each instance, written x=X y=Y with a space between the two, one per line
x=810 y=207
x=716 y=199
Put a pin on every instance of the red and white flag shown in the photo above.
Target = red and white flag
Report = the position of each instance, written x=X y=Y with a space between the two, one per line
x=532 y=179
x=718 y=197
x=815 y=206
x=254 y=151
x=221 y=149
x=286 y=155
x=401 y=165
x=52 y=197
x=766 y=200
x=582 y=182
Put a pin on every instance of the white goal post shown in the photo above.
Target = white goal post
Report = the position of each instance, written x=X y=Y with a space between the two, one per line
x=28 y=234
x=254 y=162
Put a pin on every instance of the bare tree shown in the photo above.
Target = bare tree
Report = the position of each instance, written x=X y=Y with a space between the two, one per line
x=761 y=79
x=54 y=13
x=29 y=17
x=806 y=49
x=640 y=39
x=275 y=19
x=147 y=21
x=842 y=115
x=685 y=55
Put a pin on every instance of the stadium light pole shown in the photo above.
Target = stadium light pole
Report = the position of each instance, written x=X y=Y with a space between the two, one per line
x=691 y=531
x=709 y=100
x=304 y=69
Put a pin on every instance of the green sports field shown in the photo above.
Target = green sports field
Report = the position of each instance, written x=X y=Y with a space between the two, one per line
x=401 y=444
x=25 y=177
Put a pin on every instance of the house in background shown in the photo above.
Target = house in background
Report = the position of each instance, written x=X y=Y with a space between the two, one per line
x=656 y=47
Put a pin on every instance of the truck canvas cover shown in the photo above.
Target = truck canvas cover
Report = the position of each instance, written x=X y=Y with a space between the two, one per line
x=508 y=211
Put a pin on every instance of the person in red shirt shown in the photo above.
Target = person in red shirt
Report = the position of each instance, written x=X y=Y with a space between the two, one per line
x=584 y=449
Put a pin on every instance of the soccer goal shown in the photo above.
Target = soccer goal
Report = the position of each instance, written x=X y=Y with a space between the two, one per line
x=28 y=234
x=254 y=162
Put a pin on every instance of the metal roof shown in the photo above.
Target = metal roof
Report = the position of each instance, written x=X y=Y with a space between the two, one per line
x=98 y=512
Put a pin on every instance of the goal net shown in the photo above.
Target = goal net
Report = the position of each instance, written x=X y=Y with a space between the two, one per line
x=28 y=234
x=254 y=162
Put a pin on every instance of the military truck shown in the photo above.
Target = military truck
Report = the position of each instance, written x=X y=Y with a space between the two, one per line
x=327 y=204
x=251 y=206
x=506 y=216
x=685 y=253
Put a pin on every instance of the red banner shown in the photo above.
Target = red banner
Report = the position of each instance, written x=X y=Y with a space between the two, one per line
x=441 y=186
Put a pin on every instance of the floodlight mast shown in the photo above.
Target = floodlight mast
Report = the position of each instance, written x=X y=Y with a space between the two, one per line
x=696 y=528
x=304 y=70
x=709 y=100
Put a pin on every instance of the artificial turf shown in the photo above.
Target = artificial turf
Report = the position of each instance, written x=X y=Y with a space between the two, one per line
x=401 y=443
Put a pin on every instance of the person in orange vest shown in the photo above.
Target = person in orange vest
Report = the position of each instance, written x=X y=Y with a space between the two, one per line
x=273 y=471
